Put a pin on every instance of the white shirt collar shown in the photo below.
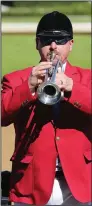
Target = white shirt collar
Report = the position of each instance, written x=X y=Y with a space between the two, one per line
x=64 y=67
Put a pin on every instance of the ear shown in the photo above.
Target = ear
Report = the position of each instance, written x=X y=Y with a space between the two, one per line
x=71 y=44
x=37 y=43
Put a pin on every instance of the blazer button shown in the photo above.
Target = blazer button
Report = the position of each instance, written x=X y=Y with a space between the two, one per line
x=77 y=104
x=57 y=138
x=25 y=102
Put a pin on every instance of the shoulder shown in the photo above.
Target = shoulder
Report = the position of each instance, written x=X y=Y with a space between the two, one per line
x=84 y=74
x=83 y=70
x=19 y=75
x=15 y=79
x=79 y=74
x=80 y=70
x=72 y=69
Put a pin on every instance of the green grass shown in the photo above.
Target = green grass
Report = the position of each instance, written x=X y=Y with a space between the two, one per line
x=73 y=18
x=18 y=52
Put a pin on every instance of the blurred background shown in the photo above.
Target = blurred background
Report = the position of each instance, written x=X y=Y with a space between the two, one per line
x=19 y=22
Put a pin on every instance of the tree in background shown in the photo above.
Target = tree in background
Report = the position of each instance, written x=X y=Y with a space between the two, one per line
x=5 y=5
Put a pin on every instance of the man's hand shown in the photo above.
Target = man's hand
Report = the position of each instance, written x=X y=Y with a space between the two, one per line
x=64 y=82
x=37 y=75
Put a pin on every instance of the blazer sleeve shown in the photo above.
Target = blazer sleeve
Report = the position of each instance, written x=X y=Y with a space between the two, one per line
x=15 y=94
x=81 y=92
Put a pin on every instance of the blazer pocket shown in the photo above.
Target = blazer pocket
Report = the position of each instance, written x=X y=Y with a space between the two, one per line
x=26 y=159
x=88 y=156
x=22 y=175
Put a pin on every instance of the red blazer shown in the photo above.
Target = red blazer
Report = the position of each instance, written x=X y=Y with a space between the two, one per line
x=39 y=139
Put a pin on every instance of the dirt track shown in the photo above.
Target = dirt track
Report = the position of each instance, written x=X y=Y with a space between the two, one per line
x=8 y=138
x=22 y=27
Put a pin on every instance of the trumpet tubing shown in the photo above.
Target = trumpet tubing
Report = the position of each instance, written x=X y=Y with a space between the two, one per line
x=48 y=92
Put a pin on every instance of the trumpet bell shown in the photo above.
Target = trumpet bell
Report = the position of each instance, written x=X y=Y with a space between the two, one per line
x=49 y=93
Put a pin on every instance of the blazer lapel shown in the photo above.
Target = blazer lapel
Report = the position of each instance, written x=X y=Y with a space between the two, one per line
x=72 y=72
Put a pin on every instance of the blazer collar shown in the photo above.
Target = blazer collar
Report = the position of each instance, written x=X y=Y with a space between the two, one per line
x=71 y=71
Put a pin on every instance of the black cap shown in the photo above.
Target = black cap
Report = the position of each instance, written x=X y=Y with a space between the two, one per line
x=55 y=24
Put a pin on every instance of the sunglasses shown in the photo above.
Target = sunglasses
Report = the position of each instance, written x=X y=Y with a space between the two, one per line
x=45 y=41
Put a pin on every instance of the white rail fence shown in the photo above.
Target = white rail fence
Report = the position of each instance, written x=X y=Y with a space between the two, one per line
x=26 y=28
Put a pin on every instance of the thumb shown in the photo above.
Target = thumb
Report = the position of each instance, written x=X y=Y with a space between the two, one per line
x=40 y=81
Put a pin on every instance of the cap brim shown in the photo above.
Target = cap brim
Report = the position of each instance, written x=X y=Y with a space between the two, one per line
x=54 y=34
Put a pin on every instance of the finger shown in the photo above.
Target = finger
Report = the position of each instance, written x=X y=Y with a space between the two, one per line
x=60 y=81
x=39 y=81
x=62 y=87
x=38 y=70
x=45 y=63
x=33 y=80
x=45 y=67
x=60 y=75
x=41 y=66
x=41 y=72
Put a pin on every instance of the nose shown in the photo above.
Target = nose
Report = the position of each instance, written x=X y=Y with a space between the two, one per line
x=53 y=45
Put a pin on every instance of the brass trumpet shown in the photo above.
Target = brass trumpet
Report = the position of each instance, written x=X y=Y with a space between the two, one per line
x=48 y=92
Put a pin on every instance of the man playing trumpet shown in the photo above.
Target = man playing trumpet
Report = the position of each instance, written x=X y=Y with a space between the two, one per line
x=51 y=163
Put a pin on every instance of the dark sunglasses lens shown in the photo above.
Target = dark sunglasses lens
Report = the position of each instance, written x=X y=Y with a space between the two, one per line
x=45 y=41
x=59 y=41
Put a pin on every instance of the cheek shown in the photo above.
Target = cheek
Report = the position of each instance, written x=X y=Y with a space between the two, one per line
x=44 y=51
x=66 y=49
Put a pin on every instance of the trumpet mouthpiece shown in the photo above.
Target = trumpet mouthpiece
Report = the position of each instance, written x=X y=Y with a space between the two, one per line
x=51 y=55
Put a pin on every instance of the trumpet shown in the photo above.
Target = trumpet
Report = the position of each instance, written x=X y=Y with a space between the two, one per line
x=48 y=92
